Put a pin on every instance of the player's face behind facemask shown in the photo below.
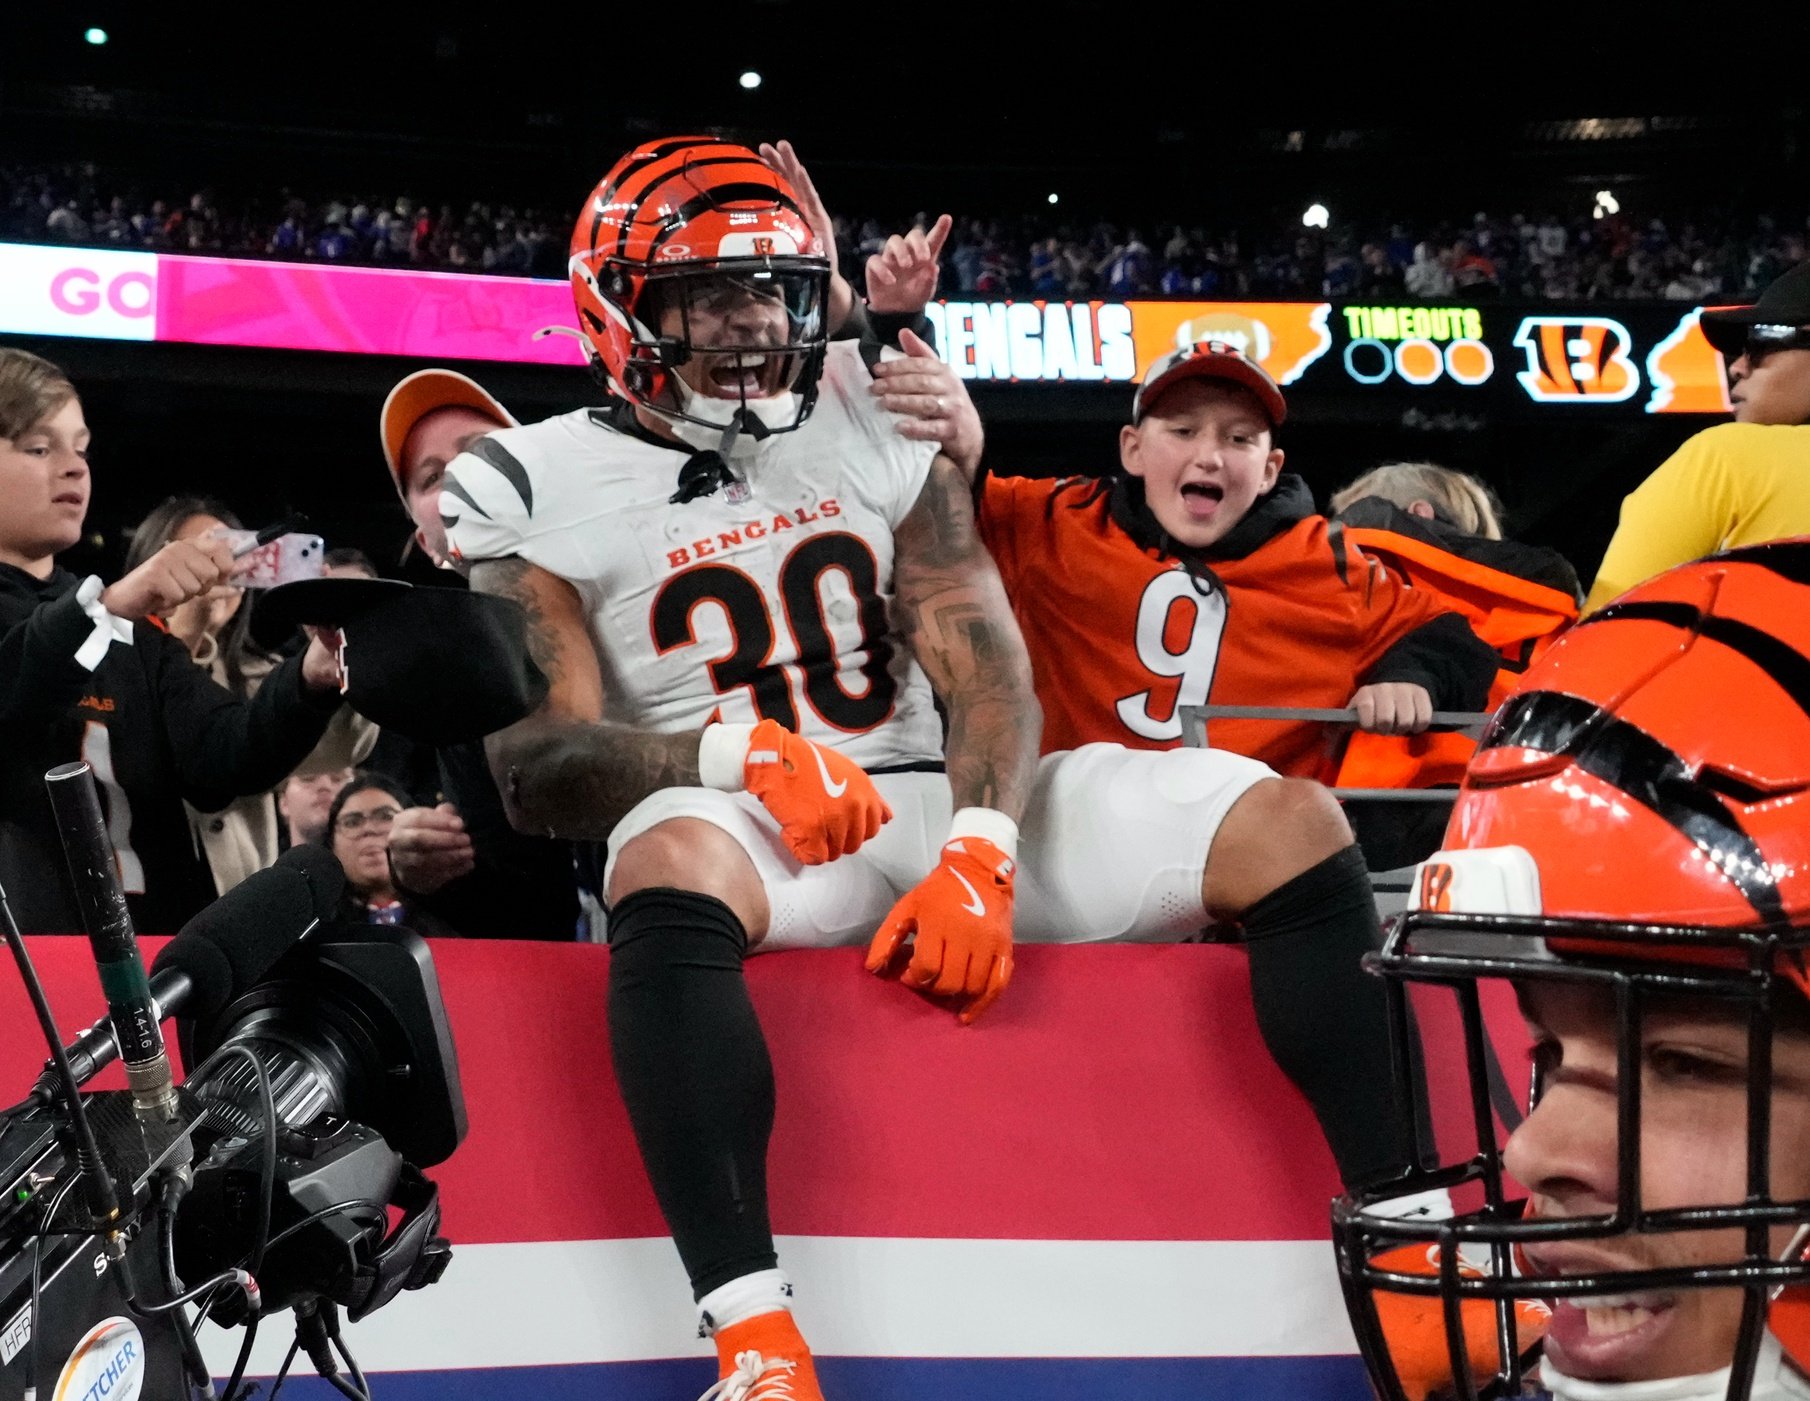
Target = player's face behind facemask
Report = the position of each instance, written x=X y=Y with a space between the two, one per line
x=1694 y=1064
x=736 y=336
x=1645 y=1300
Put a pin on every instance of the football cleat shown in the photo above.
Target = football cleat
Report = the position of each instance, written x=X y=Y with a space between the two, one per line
x=764 y=1358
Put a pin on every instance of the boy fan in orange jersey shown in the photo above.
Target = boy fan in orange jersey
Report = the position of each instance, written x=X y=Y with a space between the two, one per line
x=1201 y=572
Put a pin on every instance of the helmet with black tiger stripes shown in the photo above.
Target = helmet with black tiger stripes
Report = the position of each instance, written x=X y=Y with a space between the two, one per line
x=1633 y=831
x=692 y=251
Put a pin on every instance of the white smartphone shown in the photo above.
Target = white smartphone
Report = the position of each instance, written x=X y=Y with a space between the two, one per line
x=284 y=560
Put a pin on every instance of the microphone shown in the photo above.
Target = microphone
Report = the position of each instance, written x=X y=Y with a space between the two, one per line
x=101 y=904
x=225 y=950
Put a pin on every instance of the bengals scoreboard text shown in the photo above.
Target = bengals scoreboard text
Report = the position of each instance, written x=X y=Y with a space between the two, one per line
x=1626 y=358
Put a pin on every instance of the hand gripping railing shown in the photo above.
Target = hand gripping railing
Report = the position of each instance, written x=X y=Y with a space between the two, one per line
x=1194 y=720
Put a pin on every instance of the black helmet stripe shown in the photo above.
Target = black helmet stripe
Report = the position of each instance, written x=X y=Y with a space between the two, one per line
x=1789 y=559
x=1788 y=667
x=626 y=220
x=726 y=194
x=1629 y=759
x=654 y=156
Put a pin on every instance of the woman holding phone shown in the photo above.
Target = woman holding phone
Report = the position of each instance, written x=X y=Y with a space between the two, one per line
x=84 y=675
x=215 y=627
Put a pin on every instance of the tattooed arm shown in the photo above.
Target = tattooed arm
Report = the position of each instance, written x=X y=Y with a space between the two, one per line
x=952 y=612
x=565 y=771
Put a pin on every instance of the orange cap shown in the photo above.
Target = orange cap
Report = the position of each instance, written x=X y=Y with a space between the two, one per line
x=420 y=394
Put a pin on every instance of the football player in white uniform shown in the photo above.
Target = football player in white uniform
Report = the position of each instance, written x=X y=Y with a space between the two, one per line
x=749 y=592
x=1631 y=852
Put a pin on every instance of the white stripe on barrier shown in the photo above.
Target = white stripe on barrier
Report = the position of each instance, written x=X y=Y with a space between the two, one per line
x=627 y=1300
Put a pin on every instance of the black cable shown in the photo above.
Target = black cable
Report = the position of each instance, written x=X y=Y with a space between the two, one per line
x=283 y=1371
x=174 y=1188
x=103 y=1197
x=267 y=1185
x=37 y=1260
x=359 y=1204
x=244 y=1358
x=363 y=1391
x=267 y=1175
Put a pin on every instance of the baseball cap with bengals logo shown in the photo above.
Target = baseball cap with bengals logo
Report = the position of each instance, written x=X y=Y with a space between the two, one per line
x=418 y=395
x=1210 y=359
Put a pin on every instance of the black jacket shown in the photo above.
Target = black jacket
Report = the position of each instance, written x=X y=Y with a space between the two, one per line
x=1534 y=563
x=155 y=728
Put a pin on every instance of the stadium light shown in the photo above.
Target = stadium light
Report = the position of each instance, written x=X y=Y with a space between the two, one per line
x=1052 y=197
x=95 y=36
x=1316 y=217
x=750 y=80
x=1606 y=203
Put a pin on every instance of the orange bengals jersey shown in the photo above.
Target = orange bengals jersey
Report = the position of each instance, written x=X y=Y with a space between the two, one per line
x=1121 y=636
x=1517 y=616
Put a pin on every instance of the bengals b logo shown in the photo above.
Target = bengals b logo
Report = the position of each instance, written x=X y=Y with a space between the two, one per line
x=1577 y=360
x=763 y=247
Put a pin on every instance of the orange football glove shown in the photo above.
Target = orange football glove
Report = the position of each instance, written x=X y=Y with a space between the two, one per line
x=825 y=804
x=961 y=917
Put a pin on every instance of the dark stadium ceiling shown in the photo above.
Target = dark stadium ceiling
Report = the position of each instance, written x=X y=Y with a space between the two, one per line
x=977 y=105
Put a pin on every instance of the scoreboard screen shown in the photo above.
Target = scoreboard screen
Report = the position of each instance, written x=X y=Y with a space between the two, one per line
x=1547 y=360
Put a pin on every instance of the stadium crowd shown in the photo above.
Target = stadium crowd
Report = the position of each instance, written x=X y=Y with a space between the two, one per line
x=1675 y=255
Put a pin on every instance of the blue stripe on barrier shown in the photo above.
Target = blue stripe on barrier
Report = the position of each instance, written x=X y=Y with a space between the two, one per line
x=899 y=1379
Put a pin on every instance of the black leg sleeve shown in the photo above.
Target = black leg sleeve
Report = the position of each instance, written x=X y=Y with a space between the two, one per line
x=693 y=1068
x=1325 y=1020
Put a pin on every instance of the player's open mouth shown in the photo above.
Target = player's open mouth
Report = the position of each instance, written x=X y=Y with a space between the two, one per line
x=1606 y=1336
x=744 y=376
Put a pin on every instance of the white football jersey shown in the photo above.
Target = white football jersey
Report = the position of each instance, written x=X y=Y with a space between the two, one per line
x=769 y=598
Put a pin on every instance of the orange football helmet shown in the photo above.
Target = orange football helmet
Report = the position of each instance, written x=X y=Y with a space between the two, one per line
x=1637 y=816
x=672 y=220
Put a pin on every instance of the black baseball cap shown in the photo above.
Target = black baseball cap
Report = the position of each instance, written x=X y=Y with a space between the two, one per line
x=1782 y=310
x=438 y=665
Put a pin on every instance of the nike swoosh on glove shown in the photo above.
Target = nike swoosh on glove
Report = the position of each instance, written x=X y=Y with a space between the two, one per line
x=825 y=804
x=959 y=918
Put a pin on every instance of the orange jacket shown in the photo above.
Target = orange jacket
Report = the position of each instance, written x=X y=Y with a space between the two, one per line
x=1490 y=584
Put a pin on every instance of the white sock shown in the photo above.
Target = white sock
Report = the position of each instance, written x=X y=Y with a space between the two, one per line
x=765 y=1291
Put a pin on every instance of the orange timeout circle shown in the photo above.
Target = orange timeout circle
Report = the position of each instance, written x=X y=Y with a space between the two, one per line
x=1418 y=361
x=1469 y=361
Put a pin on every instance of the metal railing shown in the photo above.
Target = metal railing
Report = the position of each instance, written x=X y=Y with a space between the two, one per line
x=1194 y=720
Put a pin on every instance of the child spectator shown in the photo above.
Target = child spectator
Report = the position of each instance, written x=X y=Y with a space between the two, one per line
x=1199 y=572
x=85 y=675
x=1441 y=531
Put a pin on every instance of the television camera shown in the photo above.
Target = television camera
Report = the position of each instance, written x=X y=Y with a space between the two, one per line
x=285 y=1171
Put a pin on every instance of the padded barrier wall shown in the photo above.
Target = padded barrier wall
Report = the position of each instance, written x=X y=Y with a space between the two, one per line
x=1104 y=1190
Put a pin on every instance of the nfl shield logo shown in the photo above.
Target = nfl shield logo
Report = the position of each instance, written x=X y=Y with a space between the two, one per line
x=737 y=492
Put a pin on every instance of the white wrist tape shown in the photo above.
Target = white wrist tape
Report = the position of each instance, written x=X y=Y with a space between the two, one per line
x=722 y=752
x=989 y=824
x=107 y=628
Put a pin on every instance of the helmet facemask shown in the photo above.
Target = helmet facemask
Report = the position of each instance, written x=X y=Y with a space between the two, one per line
x=1476 y=1269
x=752 y=331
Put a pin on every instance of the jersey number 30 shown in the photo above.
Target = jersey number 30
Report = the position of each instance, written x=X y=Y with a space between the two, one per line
x=752 y=621
x=1172 y=610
